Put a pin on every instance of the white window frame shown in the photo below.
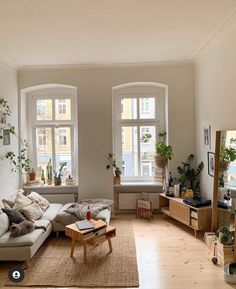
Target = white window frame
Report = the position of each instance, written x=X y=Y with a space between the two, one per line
x=33 y=123
x=145 y=103
x=64 y=135
x=58 y=107
x=41 y=145
x=160 y=121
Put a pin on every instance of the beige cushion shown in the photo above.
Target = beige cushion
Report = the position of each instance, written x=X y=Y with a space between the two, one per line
x=32 y=212
x=10 y=200
x=41 y=201
x=21 y=201
x=51 y=212
x=4 y=223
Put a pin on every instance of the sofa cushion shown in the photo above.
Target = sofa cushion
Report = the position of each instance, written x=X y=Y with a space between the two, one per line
x=51 y=212
x=41 y=201
x=108 y=202
x=4 y=223
x=10 y=200
x=25 y=240
x=64 y=217
x=14 y=216
x=32 y=212
x=21 y=201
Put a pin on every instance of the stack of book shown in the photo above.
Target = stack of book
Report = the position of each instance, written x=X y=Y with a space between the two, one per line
x=224 y=253
x=159 y=174
x=70 y=182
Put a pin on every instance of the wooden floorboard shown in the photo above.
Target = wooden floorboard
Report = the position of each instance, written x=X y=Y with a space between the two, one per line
x=169 y=256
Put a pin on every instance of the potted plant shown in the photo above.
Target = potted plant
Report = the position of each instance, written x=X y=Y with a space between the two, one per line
x=57 y=176
x=190 y=177
x=21 y=163
x=164 y=152
x=226 y=234
x=227 y=155
x=49 y=172
x=116 y=170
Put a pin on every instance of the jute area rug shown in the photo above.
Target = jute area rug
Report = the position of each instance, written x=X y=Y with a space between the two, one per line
x=52 y=265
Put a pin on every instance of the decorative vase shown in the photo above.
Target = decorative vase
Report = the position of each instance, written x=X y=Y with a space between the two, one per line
x=116 y=180
x=57 y=181
x=160 y=161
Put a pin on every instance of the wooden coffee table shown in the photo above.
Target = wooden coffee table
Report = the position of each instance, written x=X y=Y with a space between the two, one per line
x=90 y=236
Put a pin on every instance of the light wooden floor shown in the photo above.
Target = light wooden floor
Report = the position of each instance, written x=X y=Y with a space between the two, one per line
x=169 y=256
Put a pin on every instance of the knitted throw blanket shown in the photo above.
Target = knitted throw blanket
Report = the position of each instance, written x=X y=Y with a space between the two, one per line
x=80 y=209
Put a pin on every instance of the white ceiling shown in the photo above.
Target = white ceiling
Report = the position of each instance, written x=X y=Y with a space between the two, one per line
x=64 y=32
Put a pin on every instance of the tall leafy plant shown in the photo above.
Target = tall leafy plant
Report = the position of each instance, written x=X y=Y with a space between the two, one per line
x=189 y=177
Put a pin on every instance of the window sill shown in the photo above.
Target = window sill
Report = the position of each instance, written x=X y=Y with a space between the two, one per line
x=139 y=184
x=48 y=187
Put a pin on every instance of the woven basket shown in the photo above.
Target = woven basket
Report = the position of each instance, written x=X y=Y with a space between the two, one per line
x=160 y=162
x=223 y=166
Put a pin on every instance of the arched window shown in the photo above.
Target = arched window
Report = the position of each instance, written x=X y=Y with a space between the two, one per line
x=139 y=109
x=52 y=126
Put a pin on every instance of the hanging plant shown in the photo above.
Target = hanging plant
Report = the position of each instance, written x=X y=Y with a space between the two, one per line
x=4 y=107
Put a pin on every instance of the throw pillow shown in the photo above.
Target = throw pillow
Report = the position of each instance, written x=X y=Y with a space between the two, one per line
x=21 y=201
x=10 y=201
x=41 y=201
x=32 y=212
x=4 y=223
x=14 y=216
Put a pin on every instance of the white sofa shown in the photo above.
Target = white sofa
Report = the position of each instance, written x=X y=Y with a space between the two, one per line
x=24 y=247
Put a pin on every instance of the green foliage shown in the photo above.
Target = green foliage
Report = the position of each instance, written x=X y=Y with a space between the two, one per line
x=21 y=163
x=112 y=164
x=162 y=149
x=62 y=165
x=189 y=176
x=227 y=234
x=227 y=154
x=5 y=107
x=49 y=169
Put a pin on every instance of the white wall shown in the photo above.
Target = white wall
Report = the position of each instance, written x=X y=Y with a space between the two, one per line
x=8 y=90
x=95 y=113
x=215 y=90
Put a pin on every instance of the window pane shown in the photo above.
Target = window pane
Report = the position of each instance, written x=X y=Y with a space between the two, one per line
x=130 y=151
x=43 y=146
x=63 y=109
x=128 y=108
x=147 y=150
x=63 y=150
x=147 y=107
x=44 y=109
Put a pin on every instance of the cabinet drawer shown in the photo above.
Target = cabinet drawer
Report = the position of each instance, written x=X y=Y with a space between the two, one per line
x=194 y=214
x=194 y=223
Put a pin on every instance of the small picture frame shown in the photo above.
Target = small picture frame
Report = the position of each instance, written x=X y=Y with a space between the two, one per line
x=2 y=118
x=211 y=163
x=6 y=137
x=207 y=137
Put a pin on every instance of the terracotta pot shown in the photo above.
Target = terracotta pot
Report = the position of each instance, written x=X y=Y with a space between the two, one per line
x=32 y=176
x=49 y=181
x=223 y=166
x=160 y=162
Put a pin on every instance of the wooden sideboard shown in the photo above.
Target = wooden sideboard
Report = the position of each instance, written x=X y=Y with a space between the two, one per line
x=199 y=219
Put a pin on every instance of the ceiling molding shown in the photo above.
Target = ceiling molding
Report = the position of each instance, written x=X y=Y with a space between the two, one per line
x=114 y=66
x=212 y=35
x=8 y=65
